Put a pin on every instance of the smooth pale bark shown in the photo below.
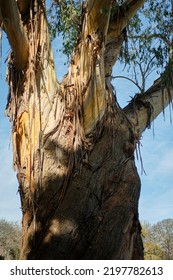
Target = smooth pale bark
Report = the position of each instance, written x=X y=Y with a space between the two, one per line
x=122 y=18
x=91 y=52
x=144 y=108
x=16 y=32
x=115 y=35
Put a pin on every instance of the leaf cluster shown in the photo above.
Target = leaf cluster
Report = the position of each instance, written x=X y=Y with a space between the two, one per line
x=65 y=20
x=150 y=33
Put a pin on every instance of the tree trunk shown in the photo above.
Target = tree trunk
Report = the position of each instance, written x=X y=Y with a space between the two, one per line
x=74 y=153
x=90 y=212
x=74 y=146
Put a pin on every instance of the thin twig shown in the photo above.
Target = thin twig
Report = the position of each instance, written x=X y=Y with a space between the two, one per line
x=160 y=36
x=123 y=77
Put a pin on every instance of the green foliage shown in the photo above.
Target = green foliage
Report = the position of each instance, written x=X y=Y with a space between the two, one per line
x=152 y=251
x=149 y=44
x=158 y=240
x=150 y=33
x=65 y=20
x=9 y=240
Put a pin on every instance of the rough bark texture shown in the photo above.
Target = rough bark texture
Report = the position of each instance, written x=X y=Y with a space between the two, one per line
x=93 y=214
x=74 y=146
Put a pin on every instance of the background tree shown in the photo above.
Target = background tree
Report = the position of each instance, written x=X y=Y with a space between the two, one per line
x=158 y=240
x=162 y=233
x=152 y=251
x=73 y=146
x=10 y=234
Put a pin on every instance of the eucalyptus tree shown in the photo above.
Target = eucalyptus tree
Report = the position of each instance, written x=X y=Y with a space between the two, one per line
x=73 y=145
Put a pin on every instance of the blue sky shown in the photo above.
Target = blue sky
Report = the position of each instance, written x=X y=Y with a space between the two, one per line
x=156 y=201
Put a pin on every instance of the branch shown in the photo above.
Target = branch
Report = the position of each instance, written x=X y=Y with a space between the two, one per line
x=131 y=80
x=144 y=108
x=122 y=17
x=91 y=61
x=160 y=36
x=131 y=7
x=14 y=29
x=98 y=13
x=112 y=50
x=115 y=35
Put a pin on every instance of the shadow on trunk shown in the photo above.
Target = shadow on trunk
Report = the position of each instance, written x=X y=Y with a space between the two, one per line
x=93 y=214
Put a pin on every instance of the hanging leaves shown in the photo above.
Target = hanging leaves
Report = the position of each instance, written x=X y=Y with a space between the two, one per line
x=150 y=33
